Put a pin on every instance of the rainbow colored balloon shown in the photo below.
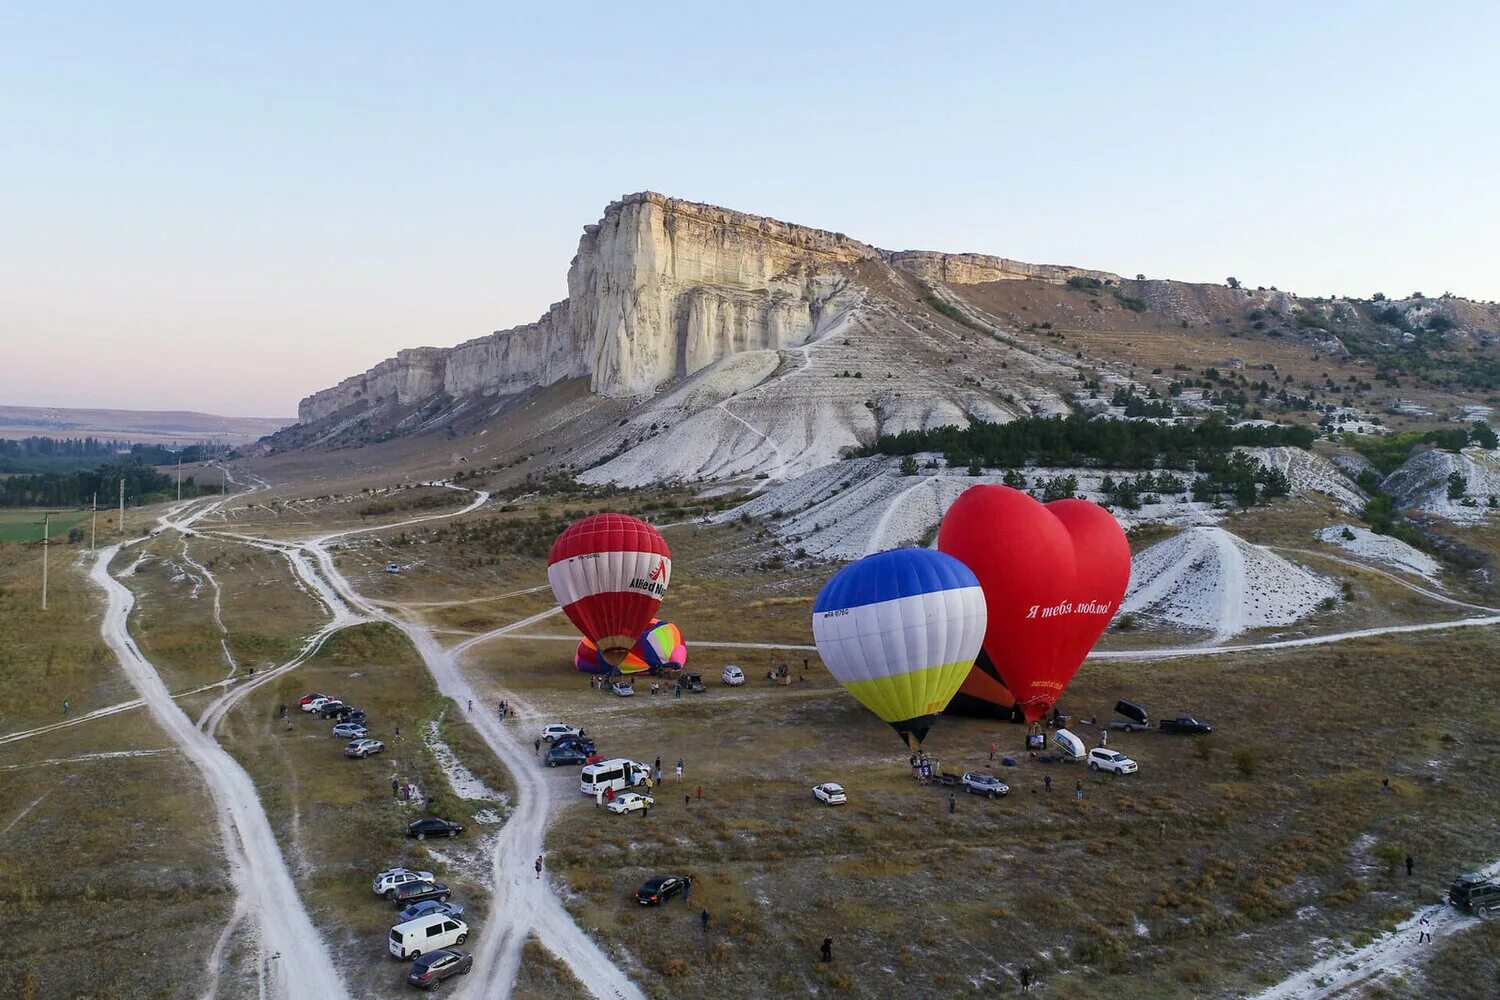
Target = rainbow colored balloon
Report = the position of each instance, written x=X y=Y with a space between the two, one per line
x=659 y=647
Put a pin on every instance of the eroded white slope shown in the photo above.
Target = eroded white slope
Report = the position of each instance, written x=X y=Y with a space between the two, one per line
x=1423 y=482
x=1209 y=578
x=1383 y=549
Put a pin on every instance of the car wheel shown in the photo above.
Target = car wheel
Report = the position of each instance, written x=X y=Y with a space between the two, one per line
x=461 y=939
x=453 y=833
x=390 y=895
x=992 y=795
x=1093 y=766
x=443 y=898
x=422 y=836
x=414 y=954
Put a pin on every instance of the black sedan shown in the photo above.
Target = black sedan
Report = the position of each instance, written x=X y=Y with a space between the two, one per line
x=559 y=756
x=1185 y=724
x=435 y=966
x=431 y=826
x=414 y=892
x=658 y=890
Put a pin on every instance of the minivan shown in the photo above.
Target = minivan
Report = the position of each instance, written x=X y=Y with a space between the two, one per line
x=619 y=774
x=429 y=933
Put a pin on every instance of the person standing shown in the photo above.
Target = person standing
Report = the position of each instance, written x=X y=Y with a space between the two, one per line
x=1104 y=738
x=679 y=769
x=827 y=949
x=1047 y=782
x=66 y=706
x=395 y=789
x=992 y=753
x=1078 y=791
x=703 y=919
x=1424 y=935
x=687 y=888
x=1385 y=786
x=538 y=866
x=1410 y=864
x=1026 y=978
x=952 y=803
x=471 y=705
x=537 y=748
x=700 y=791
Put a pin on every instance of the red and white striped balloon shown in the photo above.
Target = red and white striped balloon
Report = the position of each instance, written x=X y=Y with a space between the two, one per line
x=609 y=572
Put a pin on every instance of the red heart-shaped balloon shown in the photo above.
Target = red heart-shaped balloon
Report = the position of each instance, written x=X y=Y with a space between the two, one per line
x=1053 y=576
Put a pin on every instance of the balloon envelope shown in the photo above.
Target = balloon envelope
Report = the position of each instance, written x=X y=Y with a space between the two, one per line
x=900 y=630
x=659 y=647
x=609 y=572
x=1053 y=576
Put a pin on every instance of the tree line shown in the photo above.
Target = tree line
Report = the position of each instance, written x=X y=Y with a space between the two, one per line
x=44 y=454
x=143 y=484
x=1078 y=440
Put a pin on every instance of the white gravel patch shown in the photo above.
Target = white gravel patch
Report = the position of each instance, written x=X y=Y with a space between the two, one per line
x=1391 y=552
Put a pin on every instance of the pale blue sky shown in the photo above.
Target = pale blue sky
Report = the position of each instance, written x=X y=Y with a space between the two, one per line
x=227 y=208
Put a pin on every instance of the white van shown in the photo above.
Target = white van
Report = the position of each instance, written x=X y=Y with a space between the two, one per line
x=619 y=774
x=429 y=933
x=733 y=676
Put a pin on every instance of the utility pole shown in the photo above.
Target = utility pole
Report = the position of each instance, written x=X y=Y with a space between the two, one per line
x=122 y=506
x=179 y=477
x=46 y=539
x=94 y=522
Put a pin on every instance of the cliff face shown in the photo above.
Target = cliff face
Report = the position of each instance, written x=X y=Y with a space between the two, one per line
x=659 y=288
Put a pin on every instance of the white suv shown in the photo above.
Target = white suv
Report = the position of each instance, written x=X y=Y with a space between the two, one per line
x=1101 y=759
x=387 y=882
x=556 y=730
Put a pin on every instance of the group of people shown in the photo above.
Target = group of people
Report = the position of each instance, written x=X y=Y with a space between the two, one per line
x=405 y=791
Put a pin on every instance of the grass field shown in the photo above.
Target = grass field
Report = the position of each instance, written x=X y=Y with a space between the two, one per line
x=23 y=524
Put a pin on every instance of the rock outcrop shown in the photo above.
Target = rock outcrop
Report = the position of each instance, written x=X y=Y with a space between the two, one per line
x=659 y=288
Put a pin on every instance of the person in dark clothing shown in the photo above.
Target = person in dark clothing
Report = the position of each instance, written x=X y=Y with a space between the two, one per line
x=687 y=888
x=703 y=919
x=1026 y=979
x=952 y=803
x=1047 y=781
x=395 y=789
x=828 y=949
x=537 y=748
x=1385 y=786
x=1410 y=864
x=538 y=866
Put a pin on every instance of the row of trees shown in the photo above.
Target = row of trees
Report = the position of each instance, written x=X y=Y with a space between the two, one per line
x=43 y=454
x=143 y=484
x=1080 y=441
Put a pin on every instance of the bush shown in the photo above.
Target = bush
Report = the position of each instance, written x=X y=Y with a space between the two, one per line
x=1246 y=762
x=908 y=465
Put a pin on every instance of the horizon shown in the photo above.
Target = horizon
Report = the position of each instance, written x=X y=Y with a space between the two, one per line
x=225 y=211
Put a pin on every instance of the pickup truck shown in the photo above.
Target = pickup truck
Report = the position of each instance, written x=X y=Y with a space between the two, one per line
x=1184 y=724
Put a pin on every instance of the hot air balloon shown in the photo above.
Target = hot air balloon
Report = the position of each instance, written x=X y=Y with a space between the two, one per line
x=1053 y=576
x=609 y=573
x=659 y=647
x=900 y=630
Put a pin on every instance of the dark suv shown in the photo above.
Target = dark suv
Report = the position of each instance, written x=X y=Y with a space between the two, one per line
x=1185 y=724
x=435 y=966
x=1475 y=894
x=415 y=892
x=431 y=826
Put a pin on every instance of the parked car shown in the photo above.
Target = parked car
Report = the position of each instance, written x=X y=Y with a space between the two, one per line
x=435 y=966
x=581 y=743
x=618 y=773
x=429 y=906
x=830 y=792
x=350 y=731
x=631 y=802
x=1185 y=724
x=1475 y=894
x=393 y=567
x=363 y=748
x=565 y=757
x=351 y=714
x=414 y=892
x=388 y=881
x=1101 y=759
x=733 y=676
x=659 y=889
x=557 y=729
x=979 y=783
x=1135 y=716
x=434 y=932
x=693 y=683
x=622 y=689
x=431 y=826
x=317 y=702
x=330 y=708
x=303 y=701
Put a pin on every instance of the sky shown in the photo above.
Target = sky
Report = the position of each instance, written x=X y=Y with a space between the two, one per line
x=226 y=207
